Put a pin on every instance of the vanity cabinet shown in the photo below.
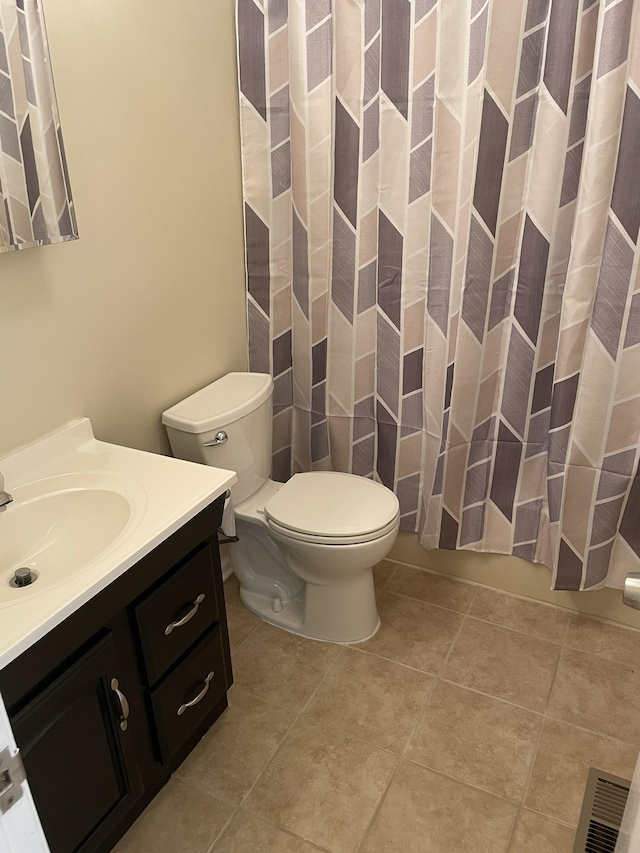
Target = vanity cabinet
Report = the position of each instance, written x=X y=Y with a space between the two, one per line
x=74 y=727
x=109 y=703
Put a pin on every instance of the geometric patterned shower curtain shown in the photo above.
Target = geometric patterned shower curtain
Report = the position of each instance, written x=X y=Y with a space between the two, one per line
x=442 y=207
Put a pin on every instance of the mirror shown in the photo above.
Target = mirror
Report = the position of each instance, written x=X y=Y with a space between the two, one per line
x=36 y=205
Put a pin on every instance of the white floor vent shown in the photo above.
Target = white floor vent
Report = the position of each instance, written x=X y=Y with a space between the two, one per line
x=602 y=809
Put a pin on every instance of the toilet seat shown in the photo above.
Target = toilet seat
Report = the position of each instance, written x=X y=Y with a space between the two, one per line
x=332 y=540
x=329 y=507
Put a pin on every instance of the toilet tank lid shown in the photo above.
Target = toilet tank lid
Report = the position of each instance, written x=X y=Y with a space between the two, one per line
x=222 y=402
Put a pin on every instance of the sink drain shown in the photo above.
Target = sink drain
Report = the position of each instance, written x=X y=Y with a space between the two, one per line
x=23 y=577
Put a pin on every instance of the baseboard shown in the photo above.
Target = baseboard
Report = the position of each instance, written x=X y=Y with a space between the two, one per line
x=514 y=575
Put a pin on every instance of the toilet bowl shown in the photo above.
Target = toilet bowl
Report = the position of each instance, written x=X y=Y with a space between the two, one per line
x=305 y=548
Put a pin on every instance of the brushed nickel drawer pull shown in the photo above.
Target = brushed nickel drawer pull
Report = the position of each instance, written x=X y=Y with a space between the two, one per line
x=124 y=705
x=199 y=697
x=185 y=619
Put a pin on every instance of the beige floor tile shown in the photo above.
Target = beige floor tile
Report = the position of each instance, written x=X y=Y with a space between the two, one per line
x=241 y=623
x=503 y=663
x=597 y=694
x=281 y=667
x=562 y=764
x=381 y=574
x=232 y=592
x=432 y=588
x=478 y=740
x=413 y=632
x=231 y=756
x=535 y=833
x=250 y=834
x=371 y=698
x=612 y=642
x=179 y=818
x=424 y=811
x=323 y=785
x=530 y=617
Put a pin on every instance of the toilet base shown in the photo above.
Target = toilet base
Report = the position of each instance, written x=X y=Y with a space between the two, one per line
x=345 y=613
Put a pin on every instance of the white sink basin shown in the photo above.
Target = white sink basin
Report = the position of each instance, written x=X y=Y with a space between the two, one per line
x=59 y=526
x=83 y=513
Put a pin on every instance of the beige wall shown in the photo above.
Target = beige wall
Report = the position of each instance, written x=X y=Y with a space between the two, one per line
x=149 y=304
x=513 y=575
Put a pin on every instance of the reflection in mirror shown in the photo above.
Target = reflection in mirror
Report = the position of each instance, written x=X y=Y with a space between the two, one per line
x=36 y=207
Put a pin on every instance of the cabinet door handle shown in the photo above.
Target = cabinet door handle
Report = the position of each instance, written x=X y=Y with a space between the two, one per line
x=185 y=619
x=124 y=705
x=199 y=697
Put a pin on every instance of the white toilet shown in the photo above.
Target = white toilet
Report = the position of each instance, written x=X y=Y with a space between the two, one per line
x=306 y=547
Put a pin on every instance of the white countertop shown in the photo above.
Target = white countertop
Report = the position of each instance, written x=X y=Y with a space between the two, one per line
x=164 y=494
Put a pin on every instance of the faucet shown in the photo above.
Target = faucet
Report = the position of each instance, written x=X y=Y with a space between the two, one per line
x=5 y=497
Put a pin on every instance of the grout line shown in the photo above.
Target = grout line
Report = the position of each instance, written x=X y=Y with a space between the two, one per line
x=525 y=790
x=495 y=698
x=635 y=745
x=424 y=601
x=459 y=781
x=525 y=787
x=549 y=817
x=452 y=646
x=295 y=835
x=377 y=809
x=496 y=589
x=313 y=722
x=394 y=661
x=606 y=619
x=246 y=796
x=515 y=630
x=322 y=680
x=565 y=636
x=268 y=702
x=473 y=616
x=223 y=830
x=241 y=644
x=552 y=683
x=440 y=574
x=499 y=591
x=517 y=802
x=402 y=756
x=388 y=580
x=432 y=672
x=472 y=601
x=177 y=775
x=427 y=698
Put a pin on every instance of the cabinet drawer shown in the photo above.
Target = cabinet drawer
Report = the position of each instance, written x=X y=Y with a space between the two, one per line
x=173 y=617
x=184 y=699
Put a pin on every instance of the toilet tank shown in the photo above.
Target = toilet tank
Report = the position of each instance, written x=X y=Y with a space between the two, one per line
x=238 y=404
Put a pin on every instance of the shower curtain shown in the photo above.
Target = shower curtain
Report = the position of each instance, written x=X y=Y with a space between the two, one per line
x=442 y=207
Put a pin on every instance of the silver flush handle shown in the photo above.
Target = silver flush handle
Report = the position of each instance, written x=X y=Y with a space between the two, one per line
x=220 y=438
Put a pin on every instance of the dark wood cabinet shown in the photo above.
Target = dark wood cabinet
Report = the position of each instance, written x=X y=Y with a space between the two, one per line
x=106 y=706
x=74 y=729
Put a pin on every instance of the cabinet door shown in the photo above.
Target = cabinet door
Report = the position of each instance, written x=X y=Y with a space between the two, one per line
x=80 y=763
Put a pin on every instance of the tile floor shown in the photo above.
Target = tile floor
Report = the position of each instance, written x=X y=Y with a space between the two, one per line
x=468 y=723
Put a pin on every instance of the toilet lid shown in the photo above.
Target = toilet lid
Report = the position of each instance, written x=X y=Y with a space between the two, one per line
x=328 y=503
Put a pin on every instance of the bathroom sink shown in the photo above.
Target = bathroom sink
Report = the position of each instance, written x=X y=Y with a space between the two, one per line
x=82 y=513
x=60 y=526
